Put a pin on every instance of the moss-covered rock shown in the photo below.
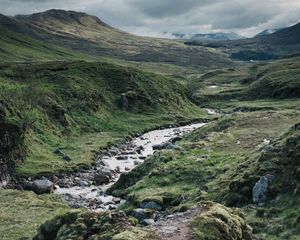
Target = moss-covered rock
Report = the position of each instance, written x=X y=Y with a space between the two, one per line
x=219 y=222
x=91 y=226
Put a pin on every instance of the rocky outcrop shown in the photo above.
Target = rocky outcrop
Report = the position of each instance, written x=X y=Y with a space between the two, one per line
x=11 y=150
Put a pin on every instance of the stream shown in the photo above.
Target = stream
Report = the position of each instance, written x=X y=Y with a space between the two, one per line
x=88 y=188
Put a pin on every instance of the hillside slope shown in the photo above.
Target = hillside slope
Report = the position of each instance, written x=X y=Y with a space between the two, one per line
x=80 y=106
x=87 y=34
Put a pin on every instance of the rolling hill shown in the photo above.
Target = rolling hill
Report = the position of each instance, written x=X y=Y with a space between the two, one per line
x=83 y=34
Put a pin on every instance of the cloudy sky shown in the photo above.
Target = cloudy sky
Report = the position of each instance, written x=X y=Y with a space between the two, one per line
x=154 y=17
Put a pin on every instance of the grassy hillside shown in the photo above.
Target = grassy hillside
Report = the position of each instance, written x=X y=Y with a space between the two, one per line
x=219 y=162
x=81 y=106
x=87 y=35
x=268 y=80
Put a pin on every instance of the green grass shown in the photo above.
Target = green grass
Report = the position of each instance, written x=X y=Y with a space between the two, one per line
x=77 y=107
x=213 y=165
x=20 y=47
x=268 y=80
x=21 y=213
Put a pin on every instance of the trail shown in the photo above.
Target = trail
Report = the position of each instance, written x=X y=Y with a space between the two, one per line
x=176 y=227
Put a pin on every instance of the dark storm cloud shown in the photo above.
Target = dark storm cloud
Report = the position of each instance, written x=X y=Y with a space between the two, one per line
x=153 y=17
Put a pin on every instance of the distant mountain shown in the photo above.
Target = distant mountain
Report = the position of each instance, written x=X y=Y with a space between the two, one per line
x=83 y=34
x=220 y=36
x=267 y=32
x=206 y=37
x=282 y=43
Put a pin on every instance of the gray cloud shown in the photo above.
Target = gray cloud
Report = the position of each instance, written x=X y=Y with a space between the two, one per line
x=157 y=16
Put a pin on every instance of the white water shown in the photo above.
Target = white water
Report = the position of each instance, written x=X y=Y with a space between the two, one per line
x=82 y=196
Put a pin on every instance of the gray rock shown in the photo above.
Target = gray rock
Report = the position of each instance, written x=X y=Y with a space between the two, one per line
x=27 y=185
x=103 y=163
x=141 y=214
x=259 y=190
x=116 y=200
x=122 y=157
x=167 y=145
x=147 y=222
x=150 y=205
x=101 y=178
x=42 y=186
x=83 y=183
x=269 y=148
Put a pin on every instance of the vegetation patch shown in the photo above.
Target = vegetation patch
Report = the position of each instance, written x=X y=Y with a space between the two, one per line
x=219 y=222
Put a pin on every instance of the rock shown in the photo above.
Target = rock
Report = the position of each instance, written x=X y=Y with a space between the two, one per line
x=118 y=169
x=27 y=185
x=42 y=186
x=101 y=178
x=83 y=183
x=67 y=158
x=142 y=157
x=59 y=152
x=147 y=222
x=259 y=190
x=269 y=148
x=103 y=163
x=116 y=200
x=150 y=205
x=122 y=157
x=127 y=169
x=112 y=207
x=141 y=214
x=167 y=145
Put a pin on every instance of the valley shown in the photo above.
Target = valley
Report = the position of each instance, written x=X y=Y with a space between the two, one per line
x=108 y=135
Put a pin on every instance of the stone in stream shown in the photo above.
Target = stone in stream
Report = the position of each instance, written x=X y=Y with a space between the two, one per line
x=103 y=176
x=122 y=157
x=42 y=186
x=116 y=200
x=118 y=169
x=103 y=163
x=167 y=145
x=83 y=183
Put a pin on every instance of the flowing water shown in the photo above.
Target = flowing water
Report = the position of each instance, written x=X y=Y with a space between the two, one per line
x=83 y=191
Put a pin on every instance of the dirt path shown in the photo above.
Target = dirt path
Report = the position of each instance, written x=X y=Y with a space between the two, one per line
x=176 y=227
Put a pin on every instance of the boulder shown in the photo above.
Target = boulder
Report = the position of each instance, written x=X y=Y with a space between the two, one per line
x=141 y=214
x=147 y=222
x=259 y=190
x=167 y=145
x=103 y=176
x=42 y=186
x=150 y=205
